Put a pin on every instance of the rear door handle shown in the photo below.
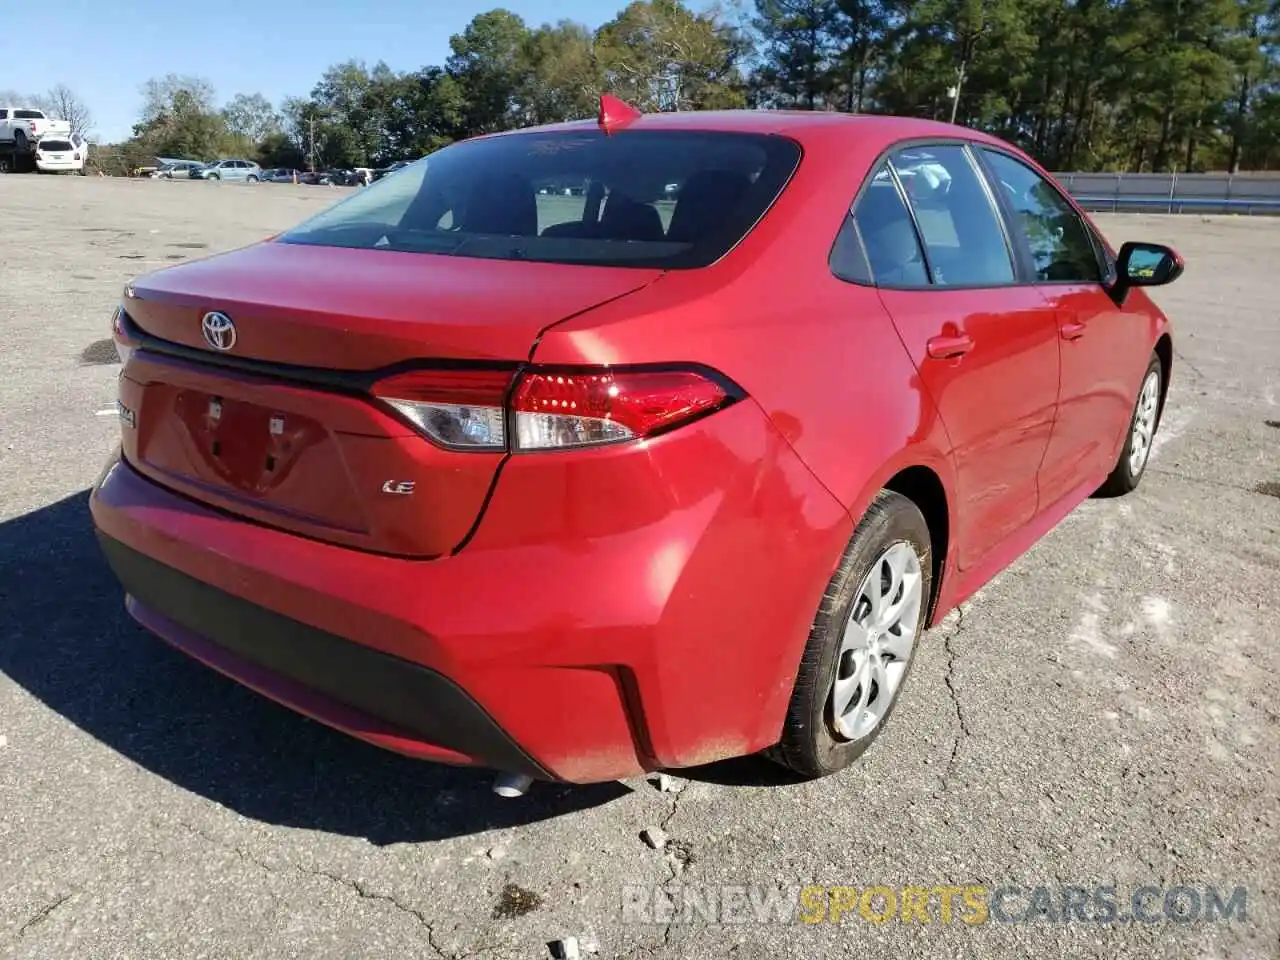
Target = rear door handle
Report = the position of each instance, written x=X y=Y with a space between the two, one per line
x=1072 y=330
x=948 y=347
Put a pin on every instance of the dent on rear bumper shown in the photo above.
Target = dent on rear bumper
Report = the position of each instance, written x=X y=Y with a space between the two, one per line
x=618 y=609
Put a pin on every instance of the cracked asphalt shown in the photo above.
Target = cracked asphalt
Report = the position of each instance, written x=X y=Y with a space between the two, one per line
x=1104 y=712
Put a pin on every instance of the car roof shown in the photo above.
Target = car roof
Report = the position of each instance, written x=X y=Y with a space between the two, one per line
x=801 y=125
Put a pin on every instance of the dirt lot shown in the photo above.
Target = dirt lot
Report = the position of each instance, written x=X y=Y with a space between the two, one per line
x=1105 y=712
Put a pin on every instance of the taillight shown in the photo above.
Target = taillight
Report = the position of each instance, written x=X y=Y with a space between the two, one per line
x=459 y=409
x=550 y=408
x=120 y=335
x=567 y=408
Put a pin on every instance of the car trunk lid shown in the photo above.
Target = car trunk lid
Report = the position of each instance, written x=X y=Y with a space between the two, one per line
x=279 y=425
x=340 y=308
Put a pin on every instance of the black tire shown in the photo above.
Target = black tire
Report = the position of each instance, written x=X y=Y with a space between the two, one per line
x=809 y=745
x=1124 y=479
x=251 y=179
x=213 y=176
x=20 y=141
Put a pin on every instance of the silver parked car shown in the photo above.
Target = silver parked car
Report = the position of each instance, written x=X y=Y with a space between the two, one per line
x=245 y=170
x=171 y=169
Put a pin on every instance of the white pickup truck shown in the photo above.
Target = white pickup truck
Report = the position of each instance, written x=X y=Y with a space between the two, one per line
x=24 y=127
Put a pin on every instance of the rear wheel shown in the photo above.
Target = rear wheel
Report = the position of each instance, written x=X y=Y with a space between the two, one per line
x=251 y=179
x=1136 y=452
x=20 y=141
x=862 y=641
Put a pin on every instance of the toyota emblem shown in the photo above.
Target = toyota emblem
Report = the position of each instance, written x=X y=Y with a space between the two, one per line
x=219 y=332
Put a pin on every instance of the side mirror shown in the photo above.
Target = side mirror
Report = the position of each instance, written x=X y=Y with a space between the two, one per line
x=1144 y=265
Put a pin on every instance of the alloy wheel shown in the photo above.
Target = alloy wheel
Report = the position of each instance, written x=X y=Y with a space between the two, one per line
x=877 y=643
x=1144 y=423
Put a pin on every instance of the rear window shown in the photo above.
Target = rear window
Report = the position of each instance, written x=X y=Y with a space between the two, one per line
x=28 y=115
x=670 y=200
x=54 y=145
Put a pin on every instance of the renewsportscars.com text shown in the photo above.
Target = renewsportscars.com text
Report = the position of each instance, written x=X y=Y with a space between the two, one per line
x=969 y=905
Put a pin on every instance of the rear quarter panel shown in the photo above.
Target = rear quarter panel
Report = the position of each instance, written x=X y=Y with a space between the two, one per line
x=821 y=356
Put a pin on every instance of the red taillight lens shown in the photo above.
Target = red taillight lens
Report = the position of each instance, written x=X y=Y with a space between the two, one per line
x=573 y=408
x=120 y=335
x=459 y=409
x=549 y=409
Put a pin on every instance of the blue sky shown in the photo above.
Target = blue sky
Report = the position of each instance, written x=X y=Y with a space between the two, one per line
x=104 y=50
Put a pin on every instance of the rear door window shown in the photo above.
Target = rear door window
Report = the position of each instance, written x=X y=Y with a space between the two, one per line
x=666 y=199
x=54 y=146
x=962 y=232
x=883 y=224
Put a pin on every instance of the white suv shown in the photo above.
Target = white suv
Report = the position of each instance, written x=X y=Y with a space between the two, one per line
x=56 y=154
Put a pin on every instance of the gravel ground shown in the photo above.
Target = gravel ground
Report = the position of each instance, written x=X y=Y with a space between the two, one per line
x=1104 y=712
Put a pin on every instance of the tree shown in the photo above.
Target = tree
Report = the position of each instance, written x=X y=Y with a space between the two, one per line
x=1181 y=73
x=351 y=125
x=160 y=93
x=490 y=67
x=966 y=60
x=660 y=55
x=562 y=79
x=799 y=47
x=251 y=116
x=278 y=149
x=62 y=102
x=178 y=118
x=306 y=124
x=1255 y=67
x=861 y=29
x=421 y=112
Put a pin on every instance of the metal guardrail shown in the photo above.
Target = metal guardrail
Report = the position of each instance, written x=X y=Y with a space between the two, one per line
x=1174 y=193
x=1179 y=205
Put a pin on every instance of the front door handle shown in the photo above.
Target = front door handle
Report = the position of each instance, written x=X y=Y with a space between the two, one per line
x=944 y=347
x=1072 y=330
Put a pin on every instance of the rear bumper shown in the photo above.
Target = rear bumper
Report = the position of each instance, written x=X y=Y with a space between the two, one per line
x=392 y=702
x=618 y=610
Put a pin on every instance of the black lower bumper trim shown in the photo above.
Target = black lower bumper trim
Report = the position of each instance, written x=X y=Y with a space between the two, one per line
x=424 y=704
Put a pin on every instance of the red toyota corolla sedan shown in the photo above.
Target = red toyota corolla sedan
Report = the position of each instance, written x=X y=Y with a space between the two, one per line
x=626 y=444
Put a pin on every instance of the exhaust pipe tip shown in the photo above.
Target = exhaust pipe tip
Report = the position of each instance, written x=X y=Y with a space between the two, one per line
x=509 y=785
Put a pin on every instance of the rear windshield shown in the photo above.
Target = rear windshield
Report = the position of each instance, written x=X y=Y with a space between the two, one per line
x=654 y=199
x=28 y=115
x=55 y=145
